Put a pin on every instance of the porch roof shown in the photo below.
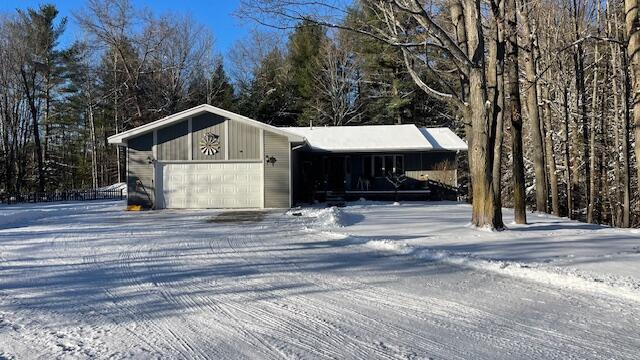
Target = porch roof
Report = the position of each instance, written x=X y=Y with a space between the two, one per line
x=379 y=138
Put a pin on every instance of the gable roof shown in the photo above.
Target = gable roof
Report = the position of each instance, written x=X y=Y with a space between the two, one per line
x=121 y=138
x=379 y=138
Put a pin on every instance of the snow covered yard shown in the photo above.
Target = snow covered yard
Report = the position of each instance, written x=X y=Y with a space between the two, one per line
x=371 y=280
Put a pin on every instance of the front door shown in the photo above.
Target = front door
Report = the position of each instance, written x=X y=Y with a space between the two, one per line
x=335 y=173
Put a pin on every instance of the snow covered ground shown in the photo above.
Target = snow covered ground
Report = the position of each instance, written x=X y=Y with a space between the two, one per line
x=371 y=280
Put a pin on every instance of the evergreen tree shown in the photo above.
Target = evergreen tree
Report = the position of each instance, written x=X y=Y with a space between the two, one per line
x=304 y=52
x=214 y=89
x=270 y=98
x=388 y=93
x=38 y=31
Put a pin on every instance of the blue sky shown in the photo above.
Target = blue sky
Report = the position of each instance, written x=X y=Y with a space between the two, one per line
x=215 y=14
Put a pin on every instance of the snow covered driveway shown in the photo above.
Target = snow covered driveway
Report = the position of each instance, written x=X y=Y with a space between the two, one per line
x=407 y=282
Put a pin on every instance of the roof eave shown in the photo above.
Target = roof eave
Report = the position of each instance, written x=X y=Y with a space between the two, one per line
x=373 y=150
x=370 y=150
x=121 y=138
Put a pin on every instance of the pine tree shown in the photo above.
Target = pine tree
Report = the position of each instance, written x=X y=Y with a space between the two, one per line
x=304 y=51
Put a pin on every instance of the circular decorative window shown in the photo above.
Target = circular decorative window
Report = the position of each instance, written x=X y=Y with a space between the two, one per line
x=210 y=144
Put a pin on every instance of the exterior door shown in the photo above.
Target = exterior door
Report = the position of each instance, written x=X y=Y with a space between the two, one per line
x=210 y=185
x=336 y=173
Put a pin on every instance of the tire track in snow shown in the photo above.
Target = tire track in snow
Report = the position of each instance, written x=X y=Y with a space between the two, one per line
x=85 y=336
x=273 y=318
x=371 y=296
x=532 y=332
x=528 y=331
x=199 y=305
x=91 y=262
x=305 y=302
x=157 y=326
x=368 y=295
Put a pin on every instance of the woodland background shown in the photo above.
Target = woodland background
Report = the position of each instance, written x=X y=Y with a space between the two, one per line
x=544 y=91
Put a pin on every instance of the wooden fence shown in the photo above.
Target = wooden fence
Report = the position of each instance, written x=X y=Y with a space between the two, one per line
x=77 y=195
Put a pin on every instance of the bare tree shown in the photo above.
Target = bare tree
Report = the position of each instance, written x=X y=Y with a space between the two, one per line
x=632 y=26
x=185 y=48
x=496 y=83
x=529 y=38
x=246 y=55
x=514 y=113
x=337 y=81
x=134 y=36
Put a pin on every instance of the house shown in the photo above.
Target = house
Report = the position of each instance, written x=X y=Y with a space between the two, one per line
x=207 y=157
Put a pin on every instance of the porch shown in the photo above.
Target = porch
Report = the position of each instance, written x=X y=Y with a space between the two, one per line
x=351 y=176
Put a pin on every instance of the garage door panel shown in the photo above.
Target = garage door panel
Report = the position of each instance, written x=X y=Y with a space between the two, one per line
x=212 y=185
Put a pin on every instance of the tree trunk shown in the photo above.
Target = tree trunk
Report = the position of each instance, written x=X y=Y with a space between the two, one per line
x=115 y=112
x=616 y=212
x=632 y=26
x=626 y=156
x=550 y=154
x=481 y=154
x=567 y=151
x=514 y=113
x=8 y=148
x=581 y=105
x=47 y=114
x=533 y=110
x=94 y=148
x=457 y=17
x=33 y=109
x=592 y=139
x=495 y=79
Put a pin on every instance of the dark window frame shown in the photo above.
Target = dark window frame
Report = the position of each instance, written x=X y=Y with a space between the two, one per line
x=382 y=171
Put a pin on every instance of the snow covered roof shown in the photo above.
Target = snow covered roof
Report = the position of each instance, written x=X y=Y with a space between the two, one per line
x=366 y=138
x=443 y=138
x=379 y=138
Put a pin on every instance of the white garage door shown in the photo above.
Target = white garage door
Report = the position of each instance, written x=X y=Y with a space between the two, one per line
x=212 y=185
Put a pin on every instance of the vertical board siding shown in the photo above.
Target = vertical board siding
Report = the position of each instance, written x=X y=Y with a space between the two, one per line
x=447 y=177
x=244 y=141
x=437 y=166
x=139 y=151
x=202 y=124
x=276 y=176
x=173 y=142
x=442 y=160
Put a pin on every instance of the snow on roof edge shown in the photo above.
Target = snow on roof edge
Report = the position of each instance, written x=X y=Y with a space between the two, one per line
x=370 y=138
x=443 y=138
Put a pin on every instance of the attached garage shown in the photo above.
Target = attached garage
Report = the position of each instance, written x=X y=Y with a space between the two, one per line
x=210 y=185
x=207 y=157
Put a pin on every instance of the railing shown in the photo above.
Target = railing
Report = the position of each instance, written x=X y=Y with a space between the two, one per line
x=442 y=191
x=79 y=195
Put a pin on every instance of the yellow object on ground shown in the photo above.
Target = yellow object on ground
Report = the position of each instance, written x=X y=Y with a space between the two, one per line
x=134 y=208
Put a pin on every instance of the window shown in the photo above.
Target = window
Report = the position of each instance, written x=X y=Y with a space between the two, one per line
x=399 y=167
x=366 y=166
x=378 y=166
x=388 y=164
x=385 y=164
